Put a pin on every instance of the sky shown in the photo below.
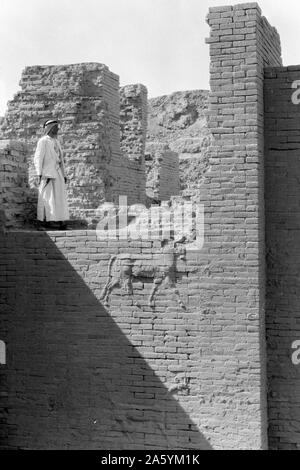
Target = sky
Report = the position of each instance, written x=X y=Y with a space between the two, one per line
x=160 y=43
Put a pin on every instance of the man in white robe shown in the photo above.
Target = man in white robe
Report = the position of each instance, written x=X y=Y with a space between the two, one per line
x=49 y=165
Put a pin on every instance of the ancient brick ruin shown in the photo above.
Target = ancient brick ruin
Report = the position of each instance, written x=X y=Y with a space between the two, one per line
x=145 y=343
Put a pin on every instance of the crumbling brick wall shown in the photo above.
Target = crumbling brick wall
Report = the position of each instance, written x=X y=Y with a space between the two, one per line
x=85 y=97
x=133 y=120
x=103 y=132
x=133 y=128
x=162 y=172
x=14 y=189
x=179 y=121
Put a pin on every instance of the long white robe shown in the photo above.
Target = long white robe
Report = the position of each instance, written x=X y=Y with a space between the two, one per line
x=52 y=198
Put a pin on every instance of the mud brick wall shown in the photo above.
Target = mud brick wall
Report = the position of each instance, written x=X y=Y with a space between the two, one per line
x=241 y=42
x=88 y=374
x=14 y=189
x=82 y=374
x=133 y=128
x=282 y=160
x=162 y=165
x=85 y=97
x=133 y=120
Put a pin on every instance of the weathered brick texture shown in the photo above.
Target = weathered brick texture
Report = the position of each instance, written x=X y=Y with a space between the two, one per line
x=86 y=98
x=133 y=128
x=133 y=120
x=282 y=171
x=179 y=121
x=162 y=172
x=14 y=189
x=103 y=132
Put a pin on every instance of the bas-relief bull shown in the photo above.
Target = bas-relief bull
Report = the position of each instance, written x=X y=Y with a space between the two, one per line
x=162 y=267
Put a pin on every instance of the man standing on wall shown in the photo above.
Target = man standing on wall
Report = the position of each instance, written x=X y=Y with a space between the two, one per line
x=49 y=165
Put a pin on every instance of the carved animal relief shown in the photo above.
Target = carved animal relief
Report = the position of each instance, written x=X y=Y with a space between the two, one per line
x=124 y=268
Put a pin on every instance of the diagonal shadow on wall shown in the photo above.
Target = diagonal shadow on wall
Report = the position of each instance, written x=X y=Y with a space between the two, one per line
x=282 y=207
x=282 y=305
x=74 y=379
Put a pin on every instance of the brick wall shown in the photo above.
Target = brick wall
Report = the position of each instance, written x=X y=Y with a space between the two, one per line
x=188 y=370
x=14 y=189
x=86 y=98
x=85 y=373
x=282 y=168
x=82 y=374
x=133 y=128
x=133 y=120
x=241 y=42
x=178 y=120
x=162 y=165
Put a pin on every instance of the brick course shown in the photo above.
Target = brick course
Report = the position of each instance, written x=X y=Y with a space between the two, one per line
x=177 y=374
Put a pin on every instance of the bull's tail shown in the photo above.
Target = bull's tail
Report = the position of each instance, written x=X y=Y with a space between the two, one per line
x=105 y=288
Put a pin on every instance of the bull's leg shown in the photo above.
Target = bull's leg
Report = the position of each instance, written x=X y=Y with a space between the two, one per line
x=156 y=283
x=127 y=284
x=103 y=294
x=179 y=299
x=170 y=281
x=104 y=291
x=109 y=287
x=126 y=274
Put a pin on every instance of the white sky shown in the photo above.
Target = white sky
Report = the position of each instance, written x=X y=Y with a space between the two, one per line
x=159 y=43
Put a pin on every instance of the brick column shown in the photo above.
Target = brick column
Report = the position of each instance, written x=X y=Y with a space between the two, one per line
x=241 y=43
